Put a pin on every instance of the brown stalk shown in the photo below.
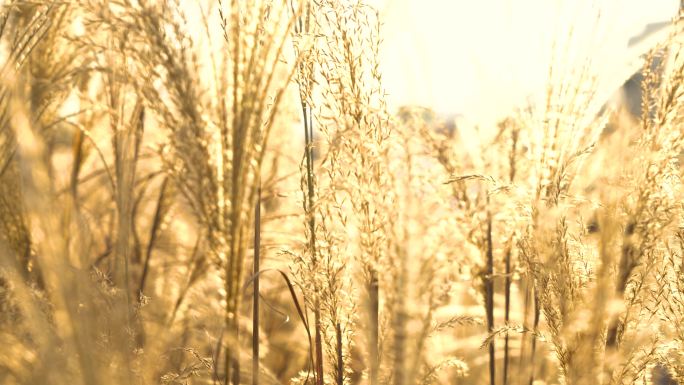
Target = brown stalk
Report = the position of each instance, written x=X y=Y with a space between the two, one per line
x=77 y=163
x=489 y=299
x=507 y=282
x=159 y=212
x=374 y=327
x=537 y=313
x=255 y=309
x=318 y=340
x=507 y=306
x=307 y=116
x=340 y=358
x=522 y=368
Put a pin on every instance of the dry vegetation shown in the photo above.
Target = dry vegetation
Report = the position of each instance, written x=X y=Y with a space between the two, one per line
x=215 y=192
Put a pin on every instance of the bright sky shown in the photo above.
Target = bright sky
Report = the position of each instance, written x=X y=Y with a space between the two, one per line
x=482 y=58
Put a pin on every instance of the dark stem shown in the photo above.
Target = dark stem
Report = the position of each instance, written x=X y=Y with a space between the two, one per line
x=308 y=137
x=303 y=26
x=373 y=342
x=236 y=370
x=534 y=335
x=489 y=300
x=507 y=306
x=318 y=344
x=76 y=167
x=154 y=232
x=340 y=358
x=255 y=309
x=522 y=367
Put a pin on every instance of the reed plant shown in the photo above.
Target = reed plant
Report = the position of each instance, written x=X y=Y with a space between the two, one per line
x=218 y=192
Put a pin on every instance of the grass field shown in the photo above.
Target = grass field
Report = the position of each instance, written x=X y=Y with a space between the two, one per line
x=218 y=192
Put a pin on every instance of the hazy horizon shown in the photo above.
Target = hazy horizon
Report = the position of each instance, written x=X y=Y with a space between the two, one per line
x=447 y=55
